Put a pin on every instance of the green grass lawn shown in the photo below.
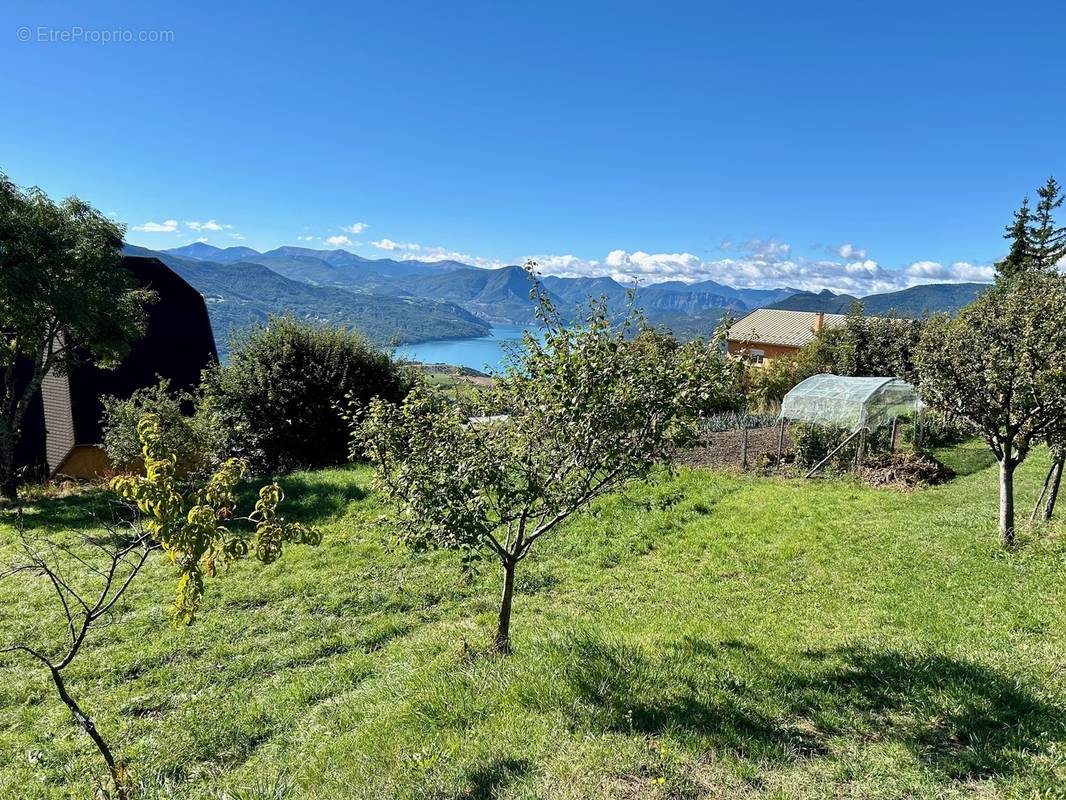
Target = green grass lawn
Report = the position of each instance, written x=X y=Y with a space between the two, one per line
x=709 y=636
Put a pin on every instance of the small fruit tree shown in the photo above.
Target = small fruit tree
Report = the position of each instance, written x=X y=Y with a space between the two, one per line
x=581 y=411
x=1000 y=365
x=196 y=527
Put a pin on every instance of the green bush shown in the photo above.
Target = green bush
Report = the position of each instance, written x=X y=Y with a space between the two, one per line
x=277 y=402
x=812 y=442
x=182 y=434
x=932 y=429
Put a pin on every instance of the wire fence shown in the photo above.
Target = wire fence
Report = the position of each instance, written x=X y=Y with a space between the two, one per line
x=740 y=441
x=762 y=441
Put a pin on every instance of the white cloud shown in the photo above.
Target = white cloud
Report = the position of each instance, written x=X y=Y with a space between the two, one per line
x=766 y=247
x=848 y=250
x=355 y=227
x=562 y=265
x=305 y=238
x=339 y=241
x=239 y=236
x=430 y=253
x=389 y=244
x=210 y=225
x=435 y=253
x=957 y=272
x=763 y=265
x=169 y=226
x=758 y=264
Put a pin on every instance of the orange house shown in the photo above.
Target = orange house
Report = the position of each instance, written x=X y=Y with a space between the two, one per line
x=769 y=333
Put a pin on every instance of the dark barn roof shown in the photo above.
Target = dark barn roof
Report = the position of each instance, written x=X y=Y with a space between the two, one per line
x=178 y=345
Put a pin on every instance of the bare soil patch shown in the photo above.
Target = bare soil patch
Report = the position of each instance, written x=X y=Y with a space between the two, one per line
x=725 y=448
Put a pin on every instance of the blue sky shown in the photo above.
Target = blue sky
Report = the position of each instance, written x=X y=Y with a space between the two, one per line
x=857 y=146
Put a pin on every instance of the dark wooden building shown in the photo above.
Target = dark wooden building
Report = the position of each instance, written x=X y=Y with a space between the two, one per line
x=62 y=434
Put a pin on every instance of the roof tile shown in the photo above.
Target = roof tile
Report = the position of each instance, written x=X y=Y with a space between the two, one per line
x=777 y=326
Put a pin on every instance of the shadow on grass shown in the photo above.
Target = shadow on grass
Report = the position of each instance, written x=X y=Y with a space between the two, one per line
x=92 y=508
x=308 y=498
x=487 y=781
x=957 y=719
x=960 y=718
x=966 y=458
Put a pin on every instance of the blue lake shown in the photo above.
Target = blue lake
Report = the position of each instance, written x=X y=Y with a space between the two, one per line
x=485 y=353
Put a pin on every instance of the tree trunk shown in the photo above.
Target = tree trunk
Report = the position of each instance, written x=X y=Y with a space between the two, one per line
x=86 y=723
x=1049 y=507
x=8 y=480
x=1044 y=491
x=12 y=410
x=503 y=628
x=1006 y=501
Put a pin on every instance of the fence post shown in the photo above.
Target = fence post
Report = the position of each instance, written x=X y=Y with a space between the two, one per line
x=859 y=449
x=836 y=450
x=892 y=439
x=780 y=441
x=744 y=448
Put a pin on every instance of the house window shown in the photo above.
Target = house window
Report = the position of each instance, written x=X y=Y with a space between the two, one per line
x=756 y=356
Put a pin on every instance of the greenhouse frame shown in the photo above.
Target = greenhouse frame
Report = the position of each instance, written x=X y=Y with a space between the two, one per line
x=851 y=403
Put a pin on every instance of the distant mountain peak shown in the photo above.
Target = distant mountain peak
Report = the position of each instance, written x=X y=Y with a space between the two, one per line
x=915 y=302
x=208 y=252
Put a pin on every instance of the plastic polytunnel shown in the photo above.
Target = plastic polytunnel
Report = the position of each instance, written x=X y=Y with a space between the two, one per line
x=851 y=403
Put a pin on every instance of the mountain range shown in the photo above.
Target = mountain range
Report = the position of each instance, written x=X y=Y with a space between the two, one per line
x=242 y=293
x=403 y=301
x=915 y=302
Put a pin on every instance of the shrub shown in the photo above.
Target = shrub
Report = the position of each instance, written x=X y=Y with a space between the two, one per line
x=182 y=434
x=812 y=442
x=276 y=403
x=933 y=429
x=765 y=386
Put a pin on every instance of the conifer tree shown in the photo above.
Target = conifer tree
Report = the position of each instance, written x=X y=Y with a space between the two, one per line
x=1048 y=241
x=1021 y=246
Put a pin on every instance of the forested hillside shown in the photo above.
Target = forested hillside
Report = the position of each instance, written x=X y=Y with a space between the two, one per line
x=242 y=293
x=915 y=302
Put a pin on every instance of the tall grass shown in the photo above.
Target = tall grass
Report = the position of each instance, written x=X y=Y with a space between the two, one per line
x=707 y=635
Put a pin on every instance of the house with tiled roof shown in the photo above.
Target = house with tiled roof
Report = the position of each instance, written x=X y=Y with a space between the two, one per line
x=769 y=333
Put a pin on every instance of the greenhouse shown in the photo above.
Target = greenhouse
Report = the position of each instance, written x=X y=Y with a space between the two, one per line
x=852 y=403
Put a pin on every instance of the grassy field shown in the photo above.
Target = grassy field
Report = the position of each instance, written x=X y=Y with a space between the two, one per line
x=712 y=635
